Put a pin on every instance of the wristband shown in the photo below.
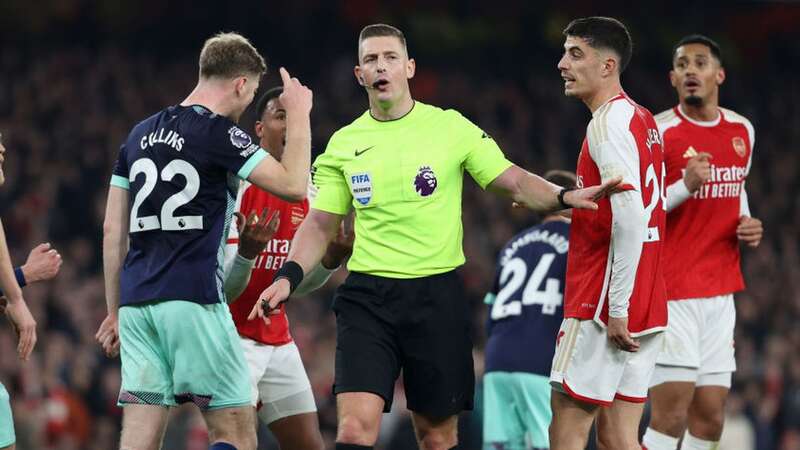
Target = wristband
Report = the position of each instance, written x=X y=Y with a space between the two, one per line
x=292 y=272
x=20 y=276
x=561 y=201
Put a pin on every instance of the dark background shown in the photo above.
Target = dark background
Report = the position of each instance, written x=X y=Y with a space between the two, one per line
x=76 y=75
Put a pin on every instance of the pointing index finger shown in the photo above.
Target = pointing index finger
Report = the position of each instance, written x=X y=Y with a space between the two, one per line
x=285 y=77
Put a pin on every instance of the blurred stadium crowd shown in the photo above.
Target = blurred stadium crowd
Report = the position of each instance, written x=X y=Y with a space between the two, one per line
x=67 y=102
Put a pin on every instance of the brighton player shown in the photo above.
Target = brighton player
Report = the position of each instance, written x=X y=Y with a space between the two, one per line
x=178 y=341
x=615 y=301
x=526 y=307
x=282 y=391
x=401 y=166
x=708 y=152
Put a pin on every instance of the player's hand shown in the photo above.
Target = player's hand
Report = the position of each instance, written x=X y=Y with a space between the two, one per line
x=43 y=263
x=108 y=335
x=24 y=325
x=698 y=171
x=341 y=246
x=295 y=97
x=750 y=231
x=619 y=335
x=269 y=300
x=586 y=198
x=256 y=232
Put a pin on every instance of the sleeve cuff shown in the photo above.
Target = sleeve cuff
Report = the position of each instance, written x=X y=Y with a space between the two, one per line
x=677 y=193
x=251 y=163
x=20 y=277
x=120 y=182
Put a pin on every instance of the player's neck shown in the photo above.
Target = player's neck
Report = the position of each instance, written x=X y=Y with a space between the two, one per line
x=384 y=112
x=599 y=98
x=707 y=112
x=209 y=98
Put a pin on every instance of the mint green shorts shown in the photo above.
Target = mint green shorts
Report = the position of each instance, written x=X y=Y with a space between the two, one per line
x=7 y=436
x=517 y=411
x=176 y=351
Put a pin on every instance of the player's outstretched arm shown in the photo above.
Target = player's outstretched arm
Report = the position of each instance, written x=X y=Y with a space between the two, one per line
x=16 y=309
x=288 y=179
x=308 y=246
x=534 y=192
x=115 y=248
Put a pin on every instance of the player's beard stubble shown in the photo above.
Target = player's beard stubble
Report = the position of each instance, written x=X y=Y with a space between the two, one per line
x=694 y=100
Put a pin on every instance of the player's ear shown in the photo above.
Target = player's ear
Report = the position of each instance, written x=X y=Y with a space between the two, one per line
x=720 y=78
x=259 y=128
x=411 y=68
x=239 y=85
x=609 y=66
x=673 y=79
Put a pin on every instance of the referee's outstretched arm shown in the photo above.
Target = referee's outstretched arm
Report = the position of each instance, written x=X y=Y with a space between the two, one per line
x=534 y=192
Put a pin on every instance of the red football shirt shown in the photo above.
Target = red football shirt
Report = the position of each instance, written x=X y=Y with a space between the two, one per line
x=702 y=251
x=622 y=139
x=251 y=198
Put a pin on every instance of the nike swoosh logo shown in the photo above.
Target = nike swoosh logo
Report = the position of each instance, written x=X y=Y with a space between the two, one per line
x=359 y=153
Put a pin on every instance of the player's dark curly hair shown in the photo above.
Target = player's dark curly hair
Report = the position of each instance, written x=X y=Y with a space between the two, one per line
x=699 y=39
x=604 y=32
x=261 y=104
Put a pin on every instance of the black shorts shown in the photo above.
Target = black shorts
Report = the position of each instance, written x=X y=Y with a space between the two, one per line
x=419 y=325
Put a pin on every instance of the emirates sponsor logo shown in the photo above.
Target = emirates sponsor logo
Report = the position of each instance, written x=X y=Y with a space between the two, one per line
x=739 y=146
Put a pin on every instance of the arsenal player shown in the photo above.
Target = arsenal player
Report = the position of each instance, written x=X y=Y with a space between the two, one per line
x=282 y=392
x=708 y=152
x=615 y=301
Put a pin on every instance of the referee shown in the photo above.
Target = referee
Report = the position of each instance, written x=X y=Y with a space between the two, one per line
x=401 y=166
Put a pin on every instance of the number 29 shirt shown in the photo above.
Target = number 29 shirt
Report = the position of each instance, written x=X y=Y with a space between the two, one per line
x=177 y=165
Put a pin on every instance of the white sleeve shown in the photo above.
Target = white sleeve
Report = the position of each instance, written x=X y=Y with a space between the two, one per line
x=744 y=204
x=237 y=276
x=614 y=150
x=677 y=193
x=315 y=279
x=628 y=232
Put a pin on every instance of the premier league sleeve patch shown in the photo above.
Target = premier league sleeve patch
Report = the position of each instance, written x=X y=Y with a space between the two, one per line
x=361 y=187
x=239 y=138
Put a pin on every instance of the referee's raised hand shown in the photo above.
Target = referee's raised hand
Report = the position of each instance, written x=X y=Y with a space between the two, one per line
x=295 y=97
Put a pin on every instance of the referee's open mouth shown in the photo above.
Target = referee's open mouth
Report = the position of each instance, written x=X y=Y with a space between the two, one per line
x=380 y=84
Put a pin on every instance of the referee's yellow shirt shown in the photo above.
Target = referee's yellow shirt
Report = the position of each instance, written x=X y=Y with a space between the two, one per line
x=404 y=178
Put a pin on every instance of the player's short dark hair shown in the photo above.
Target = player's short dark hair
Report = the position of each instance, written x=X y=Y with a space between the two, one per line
x=563 y=178
x=230 y=55
x=702 y=40
x=261 y=104
x=604 y=32
x=381 y=29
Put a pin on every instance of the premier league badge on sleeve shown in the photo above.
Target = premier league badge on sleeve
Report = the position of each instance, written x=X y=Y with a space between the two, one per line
x=425 y=182
x=361 y=187
x=239 y=138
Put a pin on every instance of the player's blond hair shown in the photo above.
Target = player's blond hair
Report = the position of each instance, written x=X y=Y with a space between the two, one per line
x=230 y=55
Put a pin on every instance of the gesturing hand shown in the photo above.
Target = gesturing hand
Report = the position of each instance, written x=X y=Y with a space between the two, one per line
x=256 y=232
